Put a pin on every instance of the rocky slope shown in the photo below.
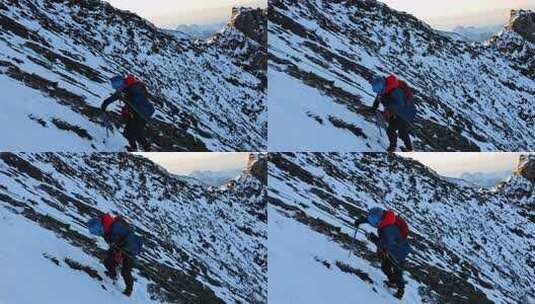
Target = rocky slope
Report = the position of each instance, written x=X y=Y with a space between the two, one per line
x=201 y=244
x=469 y=245
x=470 y=96
x=57 y=56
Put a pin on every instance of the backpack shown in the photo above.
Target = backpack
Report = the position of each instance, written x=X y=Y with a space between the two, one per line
x=140 y=101
x=131 y=243
x=403 y=227
x=409 y=95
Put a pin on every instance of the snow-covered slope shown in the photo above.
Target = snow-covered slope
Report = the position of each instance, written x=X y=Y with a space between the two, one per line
x=323 y=53
x=201 y=244
x=469 y=245
x=56 y=58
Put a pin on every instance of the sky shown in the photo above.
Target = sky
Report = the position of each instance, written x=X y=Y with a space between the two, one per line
x=455 y=164
x=450 y=13
x=185 y=163
x=170 y=13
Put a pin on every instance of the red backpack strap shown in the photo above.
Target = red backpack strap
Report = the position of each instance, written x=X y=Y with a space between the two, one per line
x=403 y=227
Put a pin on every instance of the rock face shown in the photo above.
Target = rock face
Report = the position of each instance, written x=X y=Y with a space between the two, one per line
x=251 y=22
x=330 y=50
x=526 y=167
x=257 y=167
x=469 y=245
x=523 y=22
x=516 y=43
x=201 y=244
x=56 y=58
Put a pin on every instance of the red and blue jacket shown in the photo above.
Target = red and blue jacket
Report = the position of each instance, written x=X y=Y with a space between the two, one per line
x=117 y=233
x=395 y=99
x=135 y=95
x=391 y=239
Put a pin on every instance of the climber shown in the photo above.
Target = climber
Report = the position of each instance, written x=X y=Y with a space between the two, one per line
x=399 y=109
x=392 y=245
x=124 y=245
x=137 y=109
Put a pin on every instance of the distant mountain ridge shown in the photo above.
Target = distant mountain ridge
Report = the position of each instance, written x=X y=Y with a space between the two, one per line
x=215 y=178
x=201 y=31
x=477 y=33
x=486 y=179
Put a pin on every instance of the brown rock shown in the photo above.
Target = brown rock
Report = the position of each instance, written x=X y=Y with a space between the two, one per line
x=251 y=22
x=523 y=22
x=526 y=167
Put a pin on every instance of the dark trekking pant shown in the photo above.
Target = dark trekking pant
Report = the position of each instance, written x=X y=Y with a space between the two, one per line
x=134 y=132
x=393 y=271
x=111 y=265
x=396 y=125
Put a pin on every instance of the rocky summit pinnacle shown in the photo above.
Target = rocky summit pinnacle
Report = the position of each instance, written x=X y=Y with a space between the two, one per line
x=523 y=23
x=526 y=167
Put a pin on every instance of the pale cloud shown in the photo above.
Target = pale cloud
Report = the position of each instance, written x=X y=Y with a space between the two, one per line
x=183 y=163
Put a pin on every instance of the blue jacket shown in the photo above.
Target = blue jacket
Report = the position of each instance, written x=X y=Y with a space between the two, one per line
x=398 y=104
x=390 y=240
x=121 y=236
x=136 y=97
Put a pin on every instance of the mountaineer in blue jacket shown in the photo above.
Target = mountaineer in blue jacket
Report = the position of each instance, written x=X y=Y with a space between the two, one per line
x=137 y=110
x=124 y=246
x=399 y=109
x=392 y=244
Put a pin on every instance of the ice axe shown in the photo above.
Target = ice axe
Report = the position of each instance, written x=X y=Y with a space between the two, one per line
x=105 y=119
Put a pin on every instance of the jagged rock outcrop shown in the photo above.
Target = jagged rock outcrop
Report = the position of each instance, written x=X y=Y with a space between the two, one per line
x=56 y=58
x=515 y=42
x=526 y=167
x=257 y=166
x=249 y=47
x=523 y=22
x=251 y=22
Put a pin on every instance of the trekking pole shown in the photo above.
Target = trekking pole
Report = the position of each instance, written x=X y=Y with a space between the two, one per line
x=357 y=228
x=353 y=243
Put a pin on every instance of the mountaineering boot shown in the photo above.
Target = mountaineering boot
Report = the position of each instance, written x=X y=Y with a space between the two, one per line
x=391 y=149
x=111 y=275
x=128 y=291
x=400 y=292
x=406 y=149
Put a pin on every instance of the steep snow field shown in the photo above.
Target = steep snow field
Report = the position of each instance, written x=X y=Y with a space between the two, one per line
x=470 y=97
x=201 y=244
x=30 y=278
x=56 y=58
x=469 y=245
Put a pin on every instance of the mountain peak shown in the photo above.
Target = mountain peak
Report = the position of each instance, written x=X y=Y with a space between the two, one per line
x=251 y=22
x=257 y=166
x=526 y=167
x=523 y=23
